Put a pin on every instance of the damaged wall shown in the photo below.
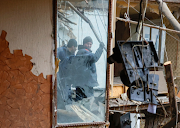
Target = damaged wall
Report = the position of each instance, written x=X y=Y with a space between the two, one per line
x=29 y=27
x=25 y=99
x=25 y=94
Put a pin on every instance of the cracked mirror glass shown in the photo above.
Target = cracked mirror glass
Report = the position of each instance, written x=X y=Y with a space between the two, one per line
x=82 y=51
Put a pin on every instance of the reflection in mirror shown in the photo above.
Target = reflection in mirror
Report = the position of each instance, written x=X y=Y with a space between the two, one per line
x=81 y=48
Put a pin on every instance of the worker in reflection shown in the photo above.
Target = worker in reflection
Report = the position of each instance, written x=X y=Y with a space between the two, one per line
x=66 y=51
x=86 y=77
x=64 y=88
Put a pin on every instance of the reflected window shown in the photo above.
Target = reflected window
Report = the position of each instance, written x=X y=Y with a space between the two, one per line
x=81 y=47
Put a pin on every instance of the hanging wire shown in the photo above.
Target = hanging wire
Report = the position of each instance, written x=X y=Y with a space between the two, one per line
x=102 y=21
x=140 y=16
x=81 y=30
x=156 y=25
x=153 y=23
x=103 y=11
x=78 y=29
x=165 y=112
x=66 y=17
x=97 y=25
x=166 y=53
x=126 y=15
x=128 y=8
x=104 y=24
x=142 y=30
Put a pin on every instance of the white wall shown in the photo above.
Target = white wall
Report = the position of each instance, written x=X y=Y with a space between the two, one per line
x=28 y=24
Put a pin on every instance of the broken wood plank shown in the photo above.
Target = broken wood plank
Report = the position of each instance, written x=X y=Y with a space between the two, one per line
x=171 y=90
x=172 y=122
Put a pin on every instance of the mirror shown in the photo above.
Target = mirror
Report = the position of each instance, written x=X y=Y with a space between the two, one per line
x=82 y=27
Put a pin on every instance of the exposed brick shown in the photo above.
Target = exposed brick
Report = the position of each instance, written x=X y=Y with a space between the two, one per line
x=12 y=103
x=3 y=35
x=9 y=94
x=25 y=99
x=21 y=92
x=4 y=86
x=3 y=100
x=14 y=112
x=6 y=53
x=18 y=86
x=45 y=87
x=17 y=52
x=41 y=78
x=28 y=57
x=45 y=99
x=20 y=100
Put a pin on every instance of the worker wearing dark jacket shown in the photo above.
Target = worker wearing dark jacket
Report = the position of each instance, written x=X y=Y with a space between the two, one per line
x=64 y=88
x=86 y=76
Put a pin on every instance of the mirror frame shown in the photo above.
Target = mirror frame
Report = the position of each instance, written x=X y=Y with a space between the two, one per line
x=54 y=90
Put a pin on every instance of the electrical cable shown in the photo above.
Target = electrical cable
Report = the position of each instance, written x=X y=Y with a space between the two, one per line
x=153 y=22
x=102 y=21
x=126 y=15
x=97 y=24
x=140 y=16
x=143 y=30
x=166 y=53
x=78 y=29
x=156 y=25
x=81 y=30
x=66 y=17
x=103 y=11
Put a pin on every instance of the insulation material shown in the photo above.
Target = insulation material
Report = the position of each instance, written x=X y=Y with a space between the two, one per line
x=25 y=99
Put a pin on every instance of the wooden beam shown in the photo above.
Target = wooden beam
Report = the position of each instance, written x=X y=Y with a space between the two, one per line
x=172 y=122
x=171 y=90
x=148 y=25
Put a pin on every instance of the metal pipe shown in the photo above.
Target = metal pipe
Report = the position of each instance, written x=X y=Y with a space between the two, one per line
x=61 y=15
x=87 y=20
x=80 y=14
